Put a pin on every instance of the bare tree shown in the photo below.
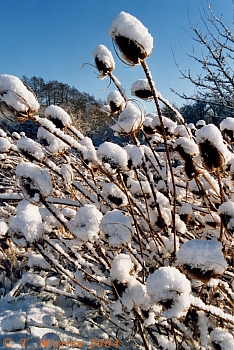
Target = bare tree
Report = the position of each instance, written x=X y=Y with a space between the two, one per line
x=215 y=83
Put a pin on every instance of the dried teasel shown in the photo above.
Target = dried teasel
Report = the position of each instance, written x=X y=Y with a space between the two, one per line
x=16 y=98
x=132 y=38
x=214 y=154
x=227 y=129
x=116 y=102
x=104 y=60
x=142 y=89
x=58 y=116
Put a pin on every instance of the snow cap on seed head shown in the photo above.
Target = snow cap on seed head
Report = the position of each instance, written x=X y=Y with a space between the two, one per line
x=104 y=60
x=132 y=38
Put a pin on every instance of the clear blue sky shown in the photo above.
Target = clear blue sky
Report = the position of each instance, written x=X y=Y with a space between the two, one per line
x=53 y=38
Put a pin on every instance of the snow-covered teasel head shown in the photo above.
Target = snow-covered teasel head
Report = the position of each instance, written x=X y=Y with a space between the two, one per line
x=132 y=38
x=58 y=116
x=112 y=156
x=27 y=223
x=116 y=102
x=35 y=181
x=141 y=89
x=130 y=120
x=213 y=152
x=114 y=194
x=169 y=288
x=104 y=60
x=202 y=259
x=17 y=96
x=117 y=228
x=85 y=225
x=227 y=129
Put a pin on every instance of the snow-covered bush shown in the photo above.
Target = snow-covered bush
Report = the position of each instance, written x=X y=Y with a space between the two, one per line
x=132 y=245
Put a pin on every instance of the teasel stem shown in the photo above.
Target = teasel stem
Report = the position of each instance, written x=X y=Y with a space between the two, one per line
x=222 y=201
x=118 y=85
x=155 y=97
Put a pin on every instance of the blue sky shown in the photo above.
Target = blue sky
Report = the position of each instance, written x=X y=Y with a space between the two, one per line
x=53 y=38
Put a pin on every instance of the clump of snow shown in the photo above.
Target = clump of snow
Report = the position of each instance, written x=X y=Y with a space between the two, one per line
x=128 y=26
x=104 y=60
x=13 y=323
x=200 y=123
x=36 y=178
x=52 y=143
x=135 y=155
x=3 y=133
x=222 y=338
x=227 y=123
x=3 y=228
x=33 y=279
x=16 y=95
x=130 y=119
x=67 y=173
x=115 y=102
x=203 y=255
x=212 y=134
x=168 y=287
x=37 y=260
x=186 y=209
x=5 y=144
x=31 y=147
x=188 y=145
x=113 y=156
x=27 y=221
x=121 y=267
x=58 y=116
x=117 y=228
x=169 y=125
x=227 y=209
x=114 y=194
x=140 y=86
x=85 y=225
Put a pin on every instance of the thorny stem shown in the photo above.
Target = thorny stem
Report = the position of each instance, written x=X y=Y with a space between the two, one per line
x=150 y=81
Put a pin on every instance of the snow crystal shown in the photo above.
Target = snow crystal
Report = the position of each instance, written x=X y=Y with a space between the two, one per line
x=27 y=221
x=15 y=94
x=130 y=27
x=121 y=267
x=14 y=322
x=202 y=254
x=58 y=116
x=85 y=225
x=113 y=156
x=40 y=177
x=130 y=119
x=167 y=285
x=5 y=144
x=223 y=338
x=117 y=227
x=31 y=147
x=3 y=228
